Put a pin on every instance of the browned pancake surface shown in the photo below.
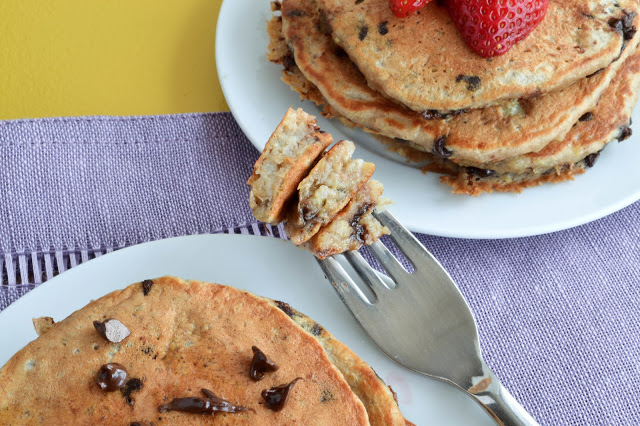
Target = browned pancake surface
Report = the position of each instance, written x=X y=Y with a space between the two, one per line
x=186 y=335
x=424 y=63
x=481 y=135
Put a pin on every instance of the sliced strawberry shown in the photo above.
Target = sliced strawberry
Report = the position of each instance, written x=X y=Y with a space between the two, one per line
x=491 y=27
x=404 y=8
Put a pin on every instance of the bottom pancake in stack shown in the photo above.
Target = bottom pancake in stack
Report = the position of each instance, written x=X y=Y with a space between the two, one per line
x=508 y=147
x=191 y=353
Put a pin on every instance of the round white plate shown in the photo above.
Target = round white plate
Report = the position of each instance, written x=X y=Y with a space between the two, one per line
x=258 y=100
x=265 y=266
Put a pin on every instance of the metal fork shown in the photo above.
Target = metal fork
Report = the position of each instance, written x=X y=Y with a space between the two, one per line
x=421 y=320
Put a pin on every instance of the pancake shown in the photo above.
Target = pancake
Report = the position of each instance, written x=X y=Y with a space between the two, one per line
x=187 y=336
x=481 y=135
x=423 y=62
x=353 y=227
x=287 y=157
x=559 y=163
x=561 y=160
x=608 y=121
x=326 y=190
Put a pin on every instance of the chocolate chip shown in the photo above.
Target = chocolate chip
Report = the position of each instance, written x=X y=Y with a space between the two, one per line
x=590 y=160
x=382 y=28
x=628 y=29
x=111 y=377
x=595 y=73
x=432 y=114
x=146 y=286
x=359 y=1
x=326 y=396
x=587 y=116
x=210 y=405
x=132 y=385
x=260 y=364
x=363 y=32
x=625 y=133
x=473 y=82
x=308 y=213
x=112 y=330
x=276 y=397
x=289 y=62
x=140 y=424
x=317 y=329
x=624 y=25
x=359 y=230
x=286 y=308
x=481 y=173
x=439 y=147
x=295 y=12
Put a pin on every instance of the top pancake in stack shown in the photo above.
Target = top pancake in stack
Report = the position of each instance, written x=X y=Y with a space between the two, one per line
x=474 y=138
x=423 y=62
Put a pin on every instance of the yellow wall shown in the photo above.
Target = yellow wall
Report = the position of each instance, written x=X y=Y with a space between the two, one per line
x=112 y=57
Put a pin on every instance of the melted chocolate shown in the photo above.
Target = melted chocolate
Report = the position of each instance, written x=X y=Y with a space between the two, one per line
x=359 y=230
x=316 y=330
x=289 y=62
x=587 y=116
x=481 y=173
x=625 y=133
x=276 y=397
x=433 y=114
x=382 y=28
x=439 y=148
x=473 y=81
x=625 y=25
x=286 y=308
x=260 y=364
x=209 y=405
x=146 y=286
x=363 y=33
x=132 y=385
x=111 y=377
x=590 y=160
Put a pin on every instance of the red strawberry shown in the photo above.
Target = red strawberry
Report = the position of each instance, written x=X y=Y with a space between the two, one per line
x=404 y=8
x=491 y=27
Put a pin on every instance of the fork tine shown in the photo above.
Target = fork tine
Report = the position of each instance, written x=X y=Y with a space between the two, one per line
x=404 y=239
x=346 y=288
x=368 y=275
x=388 y=261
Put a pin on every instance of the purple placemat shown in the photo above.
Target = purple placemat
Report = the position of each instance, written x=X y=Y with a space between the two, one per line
x=559 y=314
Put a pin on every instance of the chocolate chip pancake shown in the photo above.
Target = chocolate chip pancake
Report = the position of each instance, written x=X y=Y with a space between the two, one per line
x=353 y=227
x=326 y=190
x=610 y=120
x=489 y=134
x=287 y=157
x=560 y=162
x=423 y=62
x=189 y=360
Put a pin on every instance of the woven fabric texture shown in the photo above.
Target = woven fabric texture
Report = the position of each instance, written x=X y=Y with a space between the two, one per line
x=558 y=314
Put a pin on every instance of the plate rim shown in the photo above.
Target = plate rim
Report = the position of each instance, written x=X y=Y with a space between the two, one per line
x=27 y=305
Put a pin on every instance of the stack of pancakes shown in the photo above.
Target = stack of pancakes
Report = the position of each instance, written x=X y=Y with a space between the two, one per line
x=542 y=112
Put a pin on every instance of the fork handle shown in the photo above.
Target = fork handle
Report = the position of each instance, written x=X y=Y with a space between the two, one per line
x=499 y=403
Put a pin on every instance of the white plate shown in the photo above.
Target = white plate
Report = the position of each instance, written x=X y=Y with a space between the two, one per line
x=258 y=100
x=265 y=266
